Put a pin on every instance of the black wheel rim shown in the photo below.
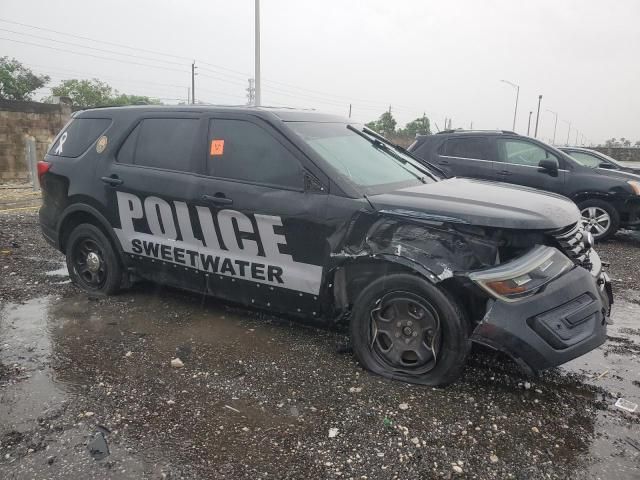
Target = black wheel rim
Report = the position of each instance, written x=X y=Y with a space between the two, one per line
x=405 y=333
x=89 y=264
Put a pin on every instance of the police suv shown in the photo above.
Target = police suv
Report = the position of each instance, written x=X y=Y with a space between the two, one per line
x=310 y=215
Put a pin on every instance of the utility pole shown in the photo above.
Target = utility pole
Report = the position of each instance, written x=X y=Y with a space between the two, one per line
x=349 y=110
x=538 y=116
x=258 y=87
x=529 y=124
x=555 y=126
x=515 y=110
x=389 y=109
x=251 y=93
x=568 y=132
x=577 y=137
x=193 y=83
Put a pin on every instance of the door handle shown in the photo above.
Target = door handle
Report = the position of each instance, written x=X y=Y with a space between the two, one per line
x=504 y=173
x=218 y=199
x=114 y=181
x=443 y=162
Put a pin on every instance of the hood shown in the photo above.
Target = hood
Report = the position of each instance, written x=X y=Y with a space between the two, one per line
x=481 y=203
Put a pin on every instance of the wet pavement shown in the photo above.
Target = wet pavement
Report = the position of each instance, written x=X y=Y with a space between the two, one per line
x=87 y=390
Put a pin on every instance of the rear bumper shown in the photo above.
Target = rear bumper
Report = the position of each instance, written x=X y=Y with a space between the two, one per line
x=49 y=234
x=565 y=320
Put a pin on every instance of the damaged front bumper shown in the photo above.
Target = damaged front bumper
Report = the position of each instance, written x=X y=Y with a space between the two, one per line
x=566 y=319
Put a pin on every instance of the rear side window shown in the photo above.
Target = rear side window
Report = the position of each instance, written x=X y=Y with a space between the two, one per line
x=467 y=147
x=242 y=150
x=586 y=159
x=79 y=136
x=162 y=143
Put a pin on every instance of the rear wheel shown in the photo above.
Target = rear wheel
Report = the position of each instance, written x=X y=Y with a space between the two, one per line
x=407 y=329
x=92 y=262
x=600 y=218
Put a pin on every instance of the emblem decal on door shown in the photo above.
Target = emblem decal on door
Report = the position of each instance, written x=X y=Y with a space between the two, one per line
x=225 y=247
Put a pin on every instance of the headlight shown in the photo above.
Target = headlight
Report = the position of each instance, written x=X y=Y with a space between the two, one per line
x=523 y=276
x=635 y=186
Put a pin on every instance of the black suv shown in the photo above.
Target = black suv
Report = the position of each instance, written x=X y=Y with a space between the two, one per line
x=608 y=199
x=308 y=215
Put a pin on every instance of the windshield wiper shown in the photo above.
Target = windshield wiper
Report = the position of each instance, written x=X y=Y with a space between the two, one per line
x=381 y=146
x=403 y=150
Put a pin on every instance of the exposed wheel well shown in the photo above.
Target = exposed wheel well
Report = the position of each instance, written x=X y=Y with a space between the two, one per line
x=79 y=217
x=353 y=278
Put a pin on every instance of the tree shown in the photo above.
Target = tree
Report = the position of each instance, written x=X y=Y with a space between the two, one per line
x=419 y=126
x=18 y=82
x=385 y=125
x=626 y=143
x=637 y=144
x=94 y=93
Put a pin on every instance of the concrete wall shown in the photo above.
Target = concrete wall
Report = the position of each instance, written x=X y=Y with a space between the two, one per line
x=623 y=154
x=19 y=120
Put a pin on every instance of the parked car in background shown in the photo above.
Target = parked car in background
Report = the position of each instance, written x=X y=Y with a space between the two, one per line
x=309 y=215
x=608 y=199
x=594 y=159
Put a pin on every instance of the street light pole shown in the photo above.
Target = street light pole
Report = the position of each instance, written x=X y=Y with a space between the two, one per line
x=529 y=123
x=515 y=110
x=555 y=126
x=538 y=116
x=258 y=85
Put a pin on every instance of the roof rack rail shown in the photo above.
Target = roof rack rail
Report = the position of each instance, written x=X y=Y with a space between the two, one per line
x=462 y=130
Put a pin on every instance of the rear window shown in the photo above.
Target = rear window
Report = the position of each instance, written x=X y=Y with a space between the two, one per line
x=79 y=136
x=468 y=147
x=161 y=143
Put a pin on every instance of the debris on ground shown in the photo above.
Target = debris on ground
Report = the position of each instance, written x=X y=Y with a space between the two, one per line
x=626 y=405
x=177 y=363
x=98 y=447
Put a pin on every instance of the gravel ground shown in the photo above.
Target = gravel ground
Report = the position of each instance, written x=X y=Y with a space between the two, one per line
x=261 y=397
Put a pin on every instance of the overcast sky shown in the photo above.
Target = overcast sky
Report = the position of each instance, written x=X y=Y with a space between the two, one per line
x=445 y=59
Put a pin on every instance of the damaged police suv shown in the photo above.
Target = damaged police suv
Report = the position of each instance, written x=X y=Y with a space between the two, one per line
x=306 y=214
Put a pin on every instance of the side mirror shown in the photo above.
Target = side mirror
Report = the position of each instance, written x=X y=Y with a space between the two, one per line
x=549 y=164
x=607 y=165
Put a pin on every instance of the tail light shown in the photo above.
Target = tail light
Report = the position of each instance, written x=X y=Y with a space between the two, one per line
x=43 y=167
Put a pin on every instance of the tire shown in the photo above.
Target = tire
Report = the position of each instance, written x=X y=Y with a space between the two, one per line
x=404 y=328
x=92 y=262
x=594 y=209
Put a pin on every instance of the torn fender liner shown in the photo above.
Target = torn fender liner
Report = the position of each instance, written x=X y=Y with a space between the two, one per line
x=548 y=329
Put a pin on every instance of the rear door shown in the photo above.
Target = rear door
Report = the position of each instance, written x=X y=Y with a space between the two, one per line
x=518 y=163
x=152 y=187
x=264 y=225
x=467 y=156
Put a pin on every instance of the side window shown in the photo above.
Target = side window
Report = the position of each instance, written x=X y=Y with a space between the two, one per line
x=467 y=147
x=162 y=143
x=521 y=152
x=241 y=150
x=79 y=136
x=586 y=159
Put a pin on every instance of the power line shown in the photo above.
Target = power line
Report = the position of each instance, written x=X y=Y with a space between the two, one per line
x=90 y=48
x=91 y=55
x=92 y=39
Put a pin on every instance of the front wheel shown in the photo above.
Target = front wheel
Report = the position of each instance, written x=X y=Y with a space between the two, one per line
x=92 y=262
x=600 y=218
x=405 y=328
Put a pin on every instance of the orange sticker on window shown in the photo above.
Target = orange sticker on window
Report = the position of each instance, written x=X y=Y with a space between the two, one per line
x=217 y=147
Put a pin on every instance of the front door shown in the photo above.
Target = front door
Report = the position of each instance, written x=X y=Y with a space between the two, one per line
x=263 y=217
x=519 y=160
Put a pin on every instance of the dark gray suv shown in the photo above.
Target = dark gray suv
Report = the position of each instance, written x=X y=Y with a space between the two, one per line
x=608 y=199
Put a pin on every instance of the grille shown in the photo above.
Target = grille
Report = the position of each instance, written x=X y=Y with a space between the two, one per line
x=570 y=242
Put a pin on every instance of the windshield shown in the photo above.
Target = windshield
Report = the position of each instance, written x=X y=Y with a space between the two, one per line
x=358 y=158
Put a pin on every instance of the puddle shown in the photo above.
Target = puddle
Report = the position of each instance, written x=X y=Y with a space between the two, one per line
x=25 y=337
x=615 y=366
